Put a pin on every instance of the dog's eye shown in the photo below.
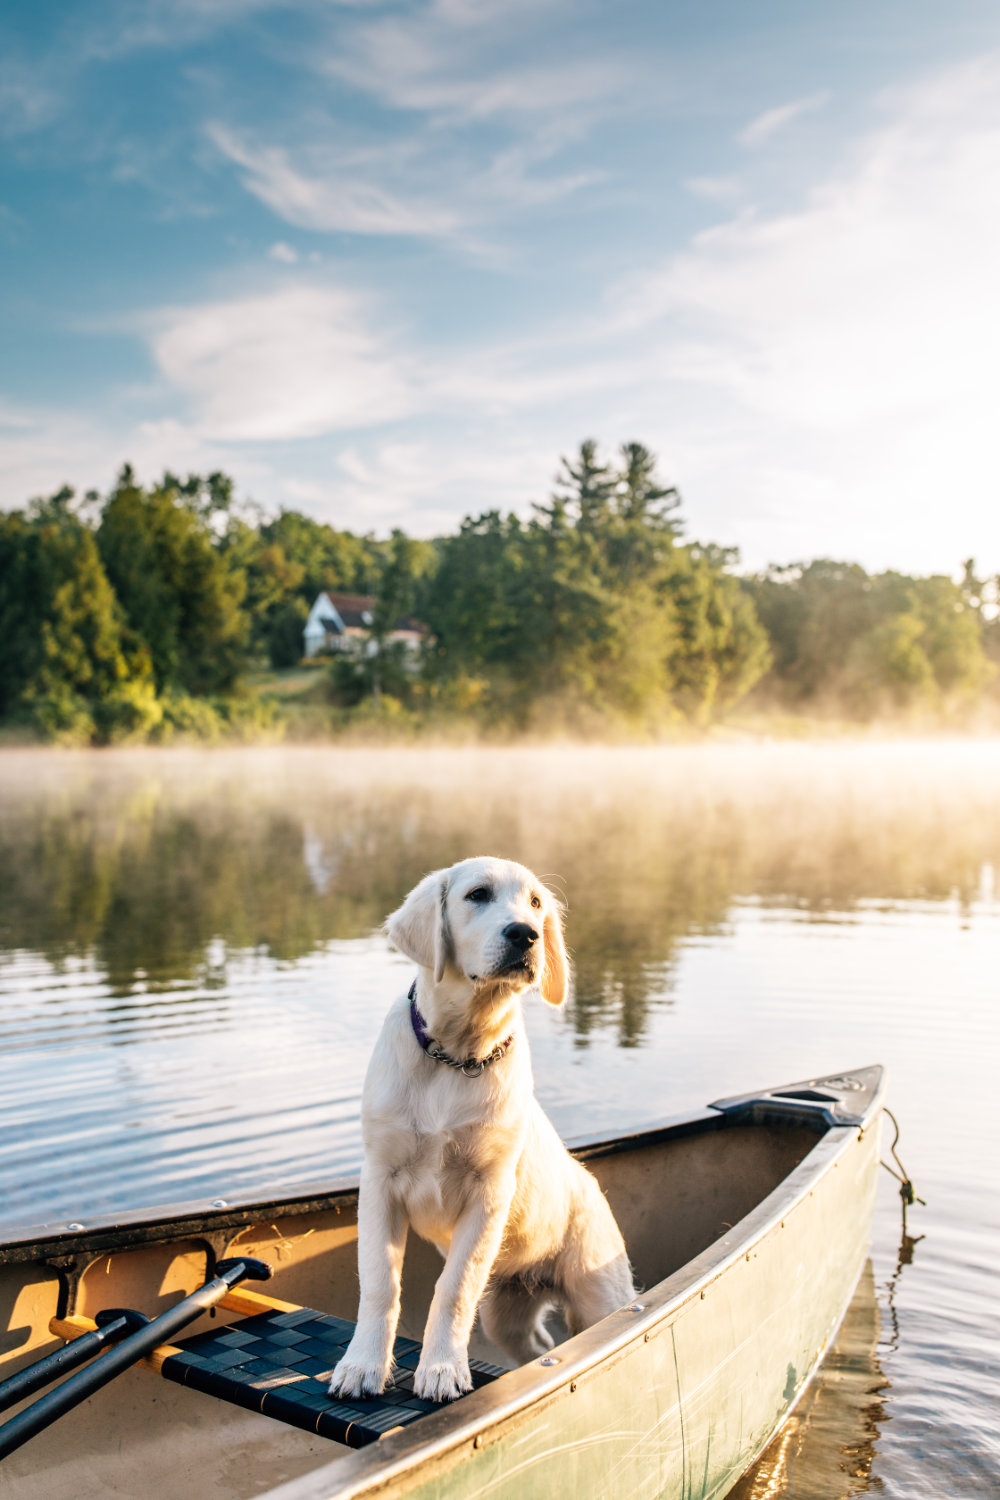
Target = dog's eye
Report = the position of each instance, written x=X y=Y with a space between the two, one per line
x=536 y=903
x=480 y=894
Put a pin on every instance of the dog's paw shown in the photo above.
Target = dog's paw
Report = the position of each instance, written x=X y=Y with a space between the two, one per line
x=351 y=1378
x=445 y=1381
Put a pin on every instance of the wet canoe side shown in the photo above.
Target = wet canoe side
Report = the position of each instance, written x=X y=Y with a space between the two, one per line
x=672 y=1399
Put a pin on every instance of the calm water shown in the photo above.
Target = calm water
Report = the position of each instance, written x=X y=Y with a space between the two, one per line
x=192 y=974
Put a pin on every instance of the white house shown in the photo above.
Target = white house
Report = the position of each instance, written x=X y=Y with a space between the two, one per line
x=343 y=622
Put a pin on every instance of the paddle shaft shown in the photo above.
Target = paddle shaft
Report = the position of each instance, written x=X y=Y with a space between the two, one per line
x=111 y=1327
x=84 y=1383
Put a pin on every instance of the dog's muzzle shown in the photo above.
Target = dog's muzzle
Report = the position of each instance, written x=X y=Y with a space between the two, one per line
x=519 y=955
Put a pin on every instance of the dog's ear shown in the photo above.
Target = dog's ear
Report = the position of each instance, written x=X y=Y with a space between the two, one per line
x=555 y=976
x=420 y=927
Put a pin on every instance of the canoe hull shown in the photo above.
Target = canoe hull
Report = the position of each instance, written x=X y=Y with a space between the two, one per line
x=696 y=1383
x=748 y=1222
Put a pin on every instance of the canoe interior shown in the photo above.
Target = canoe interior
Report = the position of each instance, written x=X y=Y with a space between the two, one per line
x=674 y=1193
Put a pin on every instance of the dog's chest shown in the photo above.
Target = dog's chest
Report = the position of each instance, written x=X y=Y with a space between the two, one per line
x=438 y=1152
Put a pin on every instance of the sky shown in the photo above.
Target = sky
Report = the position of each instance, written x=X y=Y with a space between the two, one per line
x=386 y=262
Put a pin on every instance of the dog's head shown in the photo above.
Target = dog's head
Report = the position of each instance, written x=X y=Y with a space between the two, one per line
x=489 y=920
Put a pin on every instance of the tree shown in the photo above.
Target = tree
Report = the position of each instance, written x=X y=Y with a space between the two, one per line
x=67 y=663
x=641 y=496
x=586 y=489
x=179 y=590
x=871 y=642
x=592 y=606
x=329 y=559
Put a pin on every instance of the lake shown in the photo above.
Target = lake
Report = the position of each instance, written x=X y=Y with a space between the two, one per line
x=192 y=974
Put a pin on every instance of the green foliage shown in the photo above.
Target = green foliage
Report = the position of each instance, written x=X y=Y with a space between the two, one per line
x=871 y=644
x=328 y=559
x=592 y=608
x=185 y=718
x=129 y=713
x=135 y=619
x=67 y=665
x=283 y=627
x=178 y=589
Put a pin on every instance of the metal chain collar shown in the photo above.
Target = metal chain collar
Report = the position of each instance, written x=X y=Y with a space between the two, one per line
x=472 y=1067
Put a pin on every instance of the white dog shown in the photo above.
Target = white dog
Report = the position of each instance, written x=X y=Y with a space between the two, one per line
x=457 y=1145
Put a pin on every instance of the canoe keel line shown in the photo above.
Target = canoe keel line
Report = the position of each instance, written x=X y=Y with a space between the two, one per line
x=748 y=1222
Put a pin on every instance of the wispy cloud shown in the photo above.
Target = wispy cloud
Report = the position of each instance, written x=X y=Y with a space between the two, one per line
x=335 y=193
x=283 y=365
x=765 y=125
x=286 y=255
x=454 y=58
x=859 y=332
x=30 y=97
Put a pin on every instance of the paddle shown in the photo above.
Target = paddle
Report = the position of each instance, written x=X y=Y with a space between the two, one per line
x=131 y=1346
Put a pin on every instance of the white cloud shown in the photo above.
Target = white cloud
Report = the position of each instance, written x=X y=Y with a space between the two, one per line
x=335 y=193
x=860 y=332
x=715 y=189
x=43 y=448
x=819 y=380
x=27 y=101
x=765 y=125
x=425 y=486
x=448 y=59
x=282 y=365
x=285 y=254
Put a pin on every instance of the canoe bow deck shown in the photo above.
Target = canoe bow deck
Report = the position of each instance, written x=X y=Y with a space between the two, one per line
x=748 y=1223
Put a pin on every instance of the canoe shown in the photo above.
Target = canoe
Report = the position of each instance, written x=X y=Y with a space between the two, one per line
x=747 y=1224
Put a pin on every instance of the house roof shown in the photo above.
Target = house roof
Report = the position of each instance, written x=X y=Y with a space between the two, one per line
x=353 y=609
x=356 y=611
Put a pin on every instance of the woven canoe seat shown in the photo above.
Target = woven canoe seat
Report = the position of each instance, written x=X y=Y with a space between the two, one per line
x=279 y=1363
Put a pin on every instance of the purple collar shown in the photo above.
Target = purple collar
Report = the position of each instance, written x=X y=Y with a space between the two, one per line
x=472 y=1067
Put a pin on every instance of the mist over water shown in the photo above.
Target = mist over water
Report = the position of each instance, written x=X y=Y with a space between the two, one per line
x=192 y=975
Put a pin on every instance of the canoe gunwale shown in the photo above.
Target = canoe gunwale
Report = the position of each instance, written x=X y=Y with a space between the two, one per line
x=199 y=1217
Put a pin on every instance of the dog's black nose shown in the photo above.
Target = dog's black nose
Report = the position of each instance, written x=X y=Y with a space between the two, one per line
x=520 y=935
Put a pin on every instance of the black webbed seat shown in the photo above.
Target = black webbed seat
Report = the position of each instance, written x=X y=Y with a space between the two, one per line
x=279 y=1363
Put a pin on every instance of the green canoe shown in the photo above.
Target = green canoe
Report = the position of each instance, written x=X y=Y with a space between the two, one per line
x=747 y=1224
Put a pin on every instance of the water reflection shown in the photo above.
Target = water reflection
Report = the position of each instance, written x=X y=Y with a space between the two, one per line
x=190 y=989
x=155 y=866
x=827 y=1448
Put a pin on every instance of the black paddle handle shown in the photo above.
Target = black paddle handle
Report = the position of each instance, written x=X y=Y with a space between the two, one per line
x=134 y=1346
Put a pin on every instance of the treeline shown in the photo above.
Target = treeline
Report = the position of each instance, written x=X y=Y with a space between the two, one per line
x=153 y=611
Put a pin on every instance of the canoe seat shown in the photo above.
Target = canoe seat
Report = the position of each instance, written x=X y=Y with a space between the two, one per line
x=279 y=1363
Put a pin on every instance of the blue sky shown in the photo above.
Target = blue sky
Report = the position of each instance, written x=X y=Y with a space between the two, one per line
x=385 y=262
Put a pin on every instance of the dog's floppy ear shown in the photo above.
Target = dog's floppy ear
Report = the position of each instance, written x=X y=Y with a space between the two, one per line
x=420 y=927
x=555 y=976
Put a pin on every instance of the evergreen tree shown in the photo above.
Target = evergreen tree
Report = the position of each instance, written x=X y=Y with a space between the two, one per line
x=179 y=590
x=67 y=665
x=585 y=490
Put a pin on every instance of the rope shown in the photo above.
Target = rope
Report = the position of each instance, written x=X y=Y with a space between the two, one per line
x=907 y=1191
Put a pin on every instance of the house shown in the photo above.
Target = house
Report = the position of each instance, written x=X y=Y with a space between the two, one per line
x=343 y=622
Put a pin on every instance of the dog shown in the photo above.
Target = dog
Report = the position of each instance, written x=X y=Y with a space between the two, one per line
x=457 y=1146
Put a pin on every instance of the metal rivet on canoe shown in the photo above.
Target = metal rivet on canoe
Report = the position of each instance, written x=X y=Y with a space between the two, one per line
x=219 y=1203
x=572 y=1385
x=549 y=1359
x=477 y=1441
x=703 y=1296
x=74 y=1226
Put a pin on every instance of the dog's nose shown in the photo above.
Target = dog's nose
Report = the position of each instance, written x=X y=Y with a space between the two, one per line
x=520 y=935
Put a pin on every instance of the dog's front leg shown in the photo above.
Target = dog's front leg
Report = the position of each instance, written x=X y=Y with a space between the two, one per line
x=443 y=1371
x=382 y=1225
